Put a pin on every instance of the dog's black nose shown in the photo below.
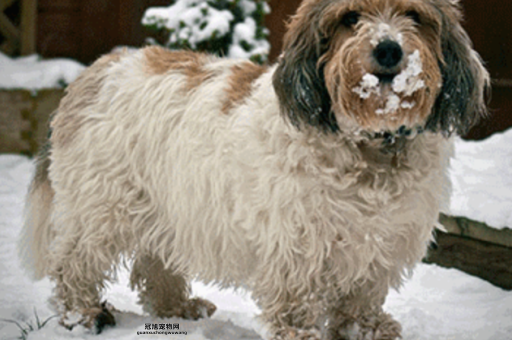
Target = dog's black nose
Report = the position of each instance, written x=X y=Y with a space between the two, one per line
x=388 y=53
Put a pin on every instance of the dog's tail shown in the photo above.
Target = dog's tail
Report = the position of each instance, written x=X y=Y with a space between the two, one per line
x=37 y=234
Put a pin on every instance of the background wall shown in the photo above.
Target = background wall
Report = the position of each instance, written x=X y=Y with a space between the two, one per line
x=489 y=26
x=85 y=29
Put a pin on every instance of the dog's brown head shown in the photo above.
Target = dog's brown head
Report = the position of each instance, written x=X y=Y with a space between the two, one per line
x=378 y=65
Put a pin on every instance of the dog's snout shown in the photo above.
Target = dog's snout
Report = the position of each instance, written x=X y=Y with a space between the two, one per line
x=388 y=53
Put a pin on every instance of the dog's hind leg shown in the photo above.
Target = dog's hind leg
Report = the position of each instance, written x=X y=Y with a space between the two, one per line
x=79 y=268
x=165 y=293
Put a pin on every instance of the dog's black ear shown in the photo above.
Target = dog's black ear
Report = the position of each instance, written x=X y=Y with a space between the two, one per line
x=299 y=79
x=461 y=102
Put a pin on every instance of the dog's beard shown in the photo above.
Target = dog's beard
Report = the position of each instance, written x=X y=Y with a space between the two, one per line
x=387 y=102
x=375 y=99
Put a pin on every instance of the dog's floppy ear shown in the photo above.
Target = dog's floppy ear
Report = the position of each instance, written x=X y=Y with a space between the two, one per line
x=299 y=80
x=461 y=102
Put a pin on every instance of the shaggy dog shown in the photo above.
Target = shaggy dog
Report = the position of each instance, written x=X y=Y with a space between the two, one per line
x=315 y=182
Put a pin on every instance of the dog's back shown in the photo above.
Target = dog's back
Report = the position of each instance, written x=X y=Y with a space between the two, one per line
x=123 y=113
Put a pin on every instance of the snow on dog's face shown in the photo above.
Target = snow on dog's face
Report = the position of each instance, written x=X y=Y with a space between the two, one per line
x=379 y=65
x=381 y=70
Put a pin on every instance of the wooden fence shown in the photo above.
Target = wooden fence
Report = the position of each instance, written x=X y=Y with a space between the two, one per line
x=24 y=119
x=18 y=38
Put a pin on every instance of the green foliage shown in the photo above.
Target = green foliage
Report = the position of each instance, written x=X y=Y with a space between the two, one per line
x=27 y=327
x=233 y=28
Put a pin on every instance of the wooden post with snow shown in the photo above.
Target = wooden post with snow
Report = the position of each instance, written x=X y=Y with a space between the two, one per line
x=474 y=248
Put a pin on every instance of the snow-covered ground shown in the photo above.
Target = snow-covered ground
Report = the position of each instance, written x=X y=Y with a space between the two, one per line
x=482 y=180
x=32 y=73
x=436 y=304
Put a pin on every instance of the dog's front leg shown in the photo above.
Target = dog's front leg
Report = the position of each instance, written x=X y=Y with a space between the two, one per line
x=288 y=306
x=165 y=293
x=359 y=315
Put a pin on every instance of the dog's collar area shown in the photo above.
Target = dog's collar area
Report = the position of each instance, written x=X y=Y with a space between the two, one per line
x=394 y=142
x=390 y=137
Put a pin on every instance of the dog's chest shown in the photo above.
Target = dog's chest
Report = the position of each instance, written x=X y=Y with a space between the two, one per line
x=373 y=212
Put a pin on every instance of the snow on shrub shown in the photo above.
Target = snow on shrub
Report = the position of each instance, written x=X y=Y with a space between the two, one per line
x=232 y=28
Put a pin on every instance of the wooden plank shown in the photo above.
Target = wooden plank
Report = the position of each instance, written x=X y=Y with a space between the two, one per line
x=500 y=118
x=280 y=14
x=128 y=32
x=59 y=34
x=99 y=31
x=15 y=124
x=488 y=261
x=58 y=5
x=130 y=29
x=5 y=4
x=8 y=29
x=47 y=101
x=8 y=47
x=24 y=119
x=28 y=27
x=477 y=230
x=483 y=18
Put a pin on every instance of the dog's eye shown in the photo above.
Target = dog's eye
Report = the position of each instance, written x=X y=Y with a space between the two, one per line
x=350 y=19
x=415 y=16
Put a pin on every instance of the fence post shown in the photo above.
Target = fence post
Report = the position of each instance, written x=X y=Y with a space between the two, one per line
x=28 y=26
x=10 y=32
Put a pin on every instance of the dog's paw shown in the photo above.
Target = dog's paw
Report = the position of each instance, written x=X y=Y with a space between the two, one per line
x=95 y=318
x=197 y=308
x=192 y=309
x=381 y=327
x=388 y=329
x=297 y=334
x=104 y=318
